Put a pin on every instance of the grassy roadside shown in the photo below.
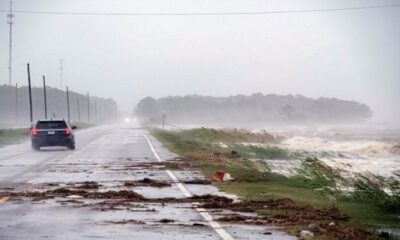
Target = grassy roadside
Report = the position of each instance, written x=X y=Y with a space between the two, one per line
x=10 y=136
x=211 y=150
x=13 y=136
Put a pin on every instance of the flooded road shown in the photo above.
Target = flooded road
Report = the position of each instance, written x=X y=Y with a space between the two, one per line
x=119 y=183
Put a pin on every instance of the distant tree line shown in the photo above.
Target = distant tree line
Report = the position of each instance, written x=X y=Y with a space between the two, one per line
x=14 y=106
x=256 y=108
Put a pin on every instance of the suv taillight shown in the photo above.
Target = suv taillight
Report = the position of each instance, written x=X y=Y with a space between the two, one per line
x=33 y=131
x=68 y=131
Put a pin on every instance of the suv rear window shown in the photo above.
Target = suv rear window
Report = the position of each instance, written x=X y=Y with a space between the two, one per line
x=51 y=125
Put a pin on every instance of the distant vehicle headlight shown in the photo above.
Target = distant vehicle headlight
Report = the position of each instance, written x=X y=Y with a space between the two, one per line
x=127 y=120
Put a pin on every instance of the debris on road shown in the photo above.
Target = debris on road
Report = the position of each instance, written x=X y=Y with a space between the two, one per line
x=306 y=235
x=74 y=197
x=299 y=213
x=147 y=182
x=222 y=176
x=197 y=181
x=112 y=196
x=199 y=225
x=211 y=199
x=164 y=220
x=65 y=192
x=129 y=221
x=314 y=220
x=88 y=185
x=122 y=195
x=227 y=177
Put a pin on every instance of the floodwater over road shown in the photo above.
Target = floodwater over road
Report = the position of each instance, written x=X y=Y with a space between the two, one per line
x=119 y=183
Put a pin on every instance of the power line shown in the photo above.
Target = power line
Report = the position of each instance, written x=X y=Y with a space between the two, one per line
x=204 y=13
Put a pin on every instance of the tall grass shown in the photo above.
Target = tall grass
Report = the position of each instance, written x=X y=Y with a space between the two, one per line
x=182 y=142
x=380 y=191
x=267 y=152
x=221 y=135
x=318 y=175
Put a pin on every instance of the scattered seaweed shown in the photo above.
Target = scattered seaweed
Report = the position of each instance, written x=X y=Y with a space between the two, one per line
x=147 y=182
x=128 y=221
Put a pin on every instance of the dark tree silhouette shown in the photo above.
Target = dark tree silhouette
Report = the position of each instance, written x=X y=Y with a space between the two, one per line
x=256 y=108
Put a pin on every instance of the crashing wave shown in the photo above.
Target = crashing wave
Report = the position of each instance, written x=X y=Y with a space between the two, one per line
x=359 y=146
x=395 y=149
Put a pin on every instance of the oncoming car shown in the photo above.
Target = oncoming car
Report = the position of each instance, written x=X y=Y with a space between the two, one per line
x=52 y=133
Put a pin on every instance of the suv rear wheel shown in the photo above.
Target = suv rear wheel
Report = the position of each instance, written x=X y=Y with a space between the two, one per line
x=35 y=147
x=71 y=146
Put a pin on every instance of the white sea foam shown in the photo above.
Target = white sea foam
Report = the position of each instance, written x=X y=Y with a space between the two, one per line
x=359 y=156
x=361 y=147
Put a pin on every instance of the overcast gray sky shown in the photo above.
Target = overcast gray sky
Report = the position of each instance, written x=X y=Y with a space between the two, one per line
x=351 y=55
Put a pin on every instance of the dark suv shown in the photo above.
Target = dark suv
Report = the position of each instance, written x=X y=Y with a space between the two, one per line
x=52 y=133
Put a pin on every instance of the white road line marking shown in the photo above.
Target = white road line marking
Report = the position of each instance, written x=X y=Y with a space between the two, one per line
x=203 y=212
x=4 y=199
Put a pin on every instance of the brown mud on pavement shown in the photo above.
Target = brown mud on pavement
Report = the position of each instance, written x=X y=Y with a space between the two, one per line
x=66 y=192
x=113 y=188
x=130 y=221
x=299 y=215
x=147 y=182
x=88 y=185
x=120 y=195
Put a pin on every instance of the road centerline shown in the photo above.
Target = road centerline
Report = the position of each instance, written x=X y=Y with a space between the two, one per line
x=203 y=212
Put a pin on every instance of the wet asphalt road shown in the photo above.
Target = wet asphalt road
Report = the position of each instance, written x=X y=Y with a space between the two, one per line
x=108 y=155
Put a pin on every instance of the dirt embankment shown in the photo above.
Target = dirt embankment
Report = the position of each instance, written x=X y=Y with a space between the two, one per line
x=287 y=213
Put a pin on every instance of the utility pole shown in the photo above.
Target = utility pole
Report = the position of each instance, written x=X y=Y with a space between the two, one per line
x=61 y=73
x=95 y=111
x=164 y=119
x=30 y=94
x=69 y=119
x=88 y=108
x=79 y=110
x=45 y=97
x=10 y=21
x=100 y=112
x=16 y=103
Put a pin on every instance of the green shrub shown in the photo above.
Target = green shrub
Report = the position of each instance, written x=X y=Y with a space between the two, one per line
x=382 y=192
